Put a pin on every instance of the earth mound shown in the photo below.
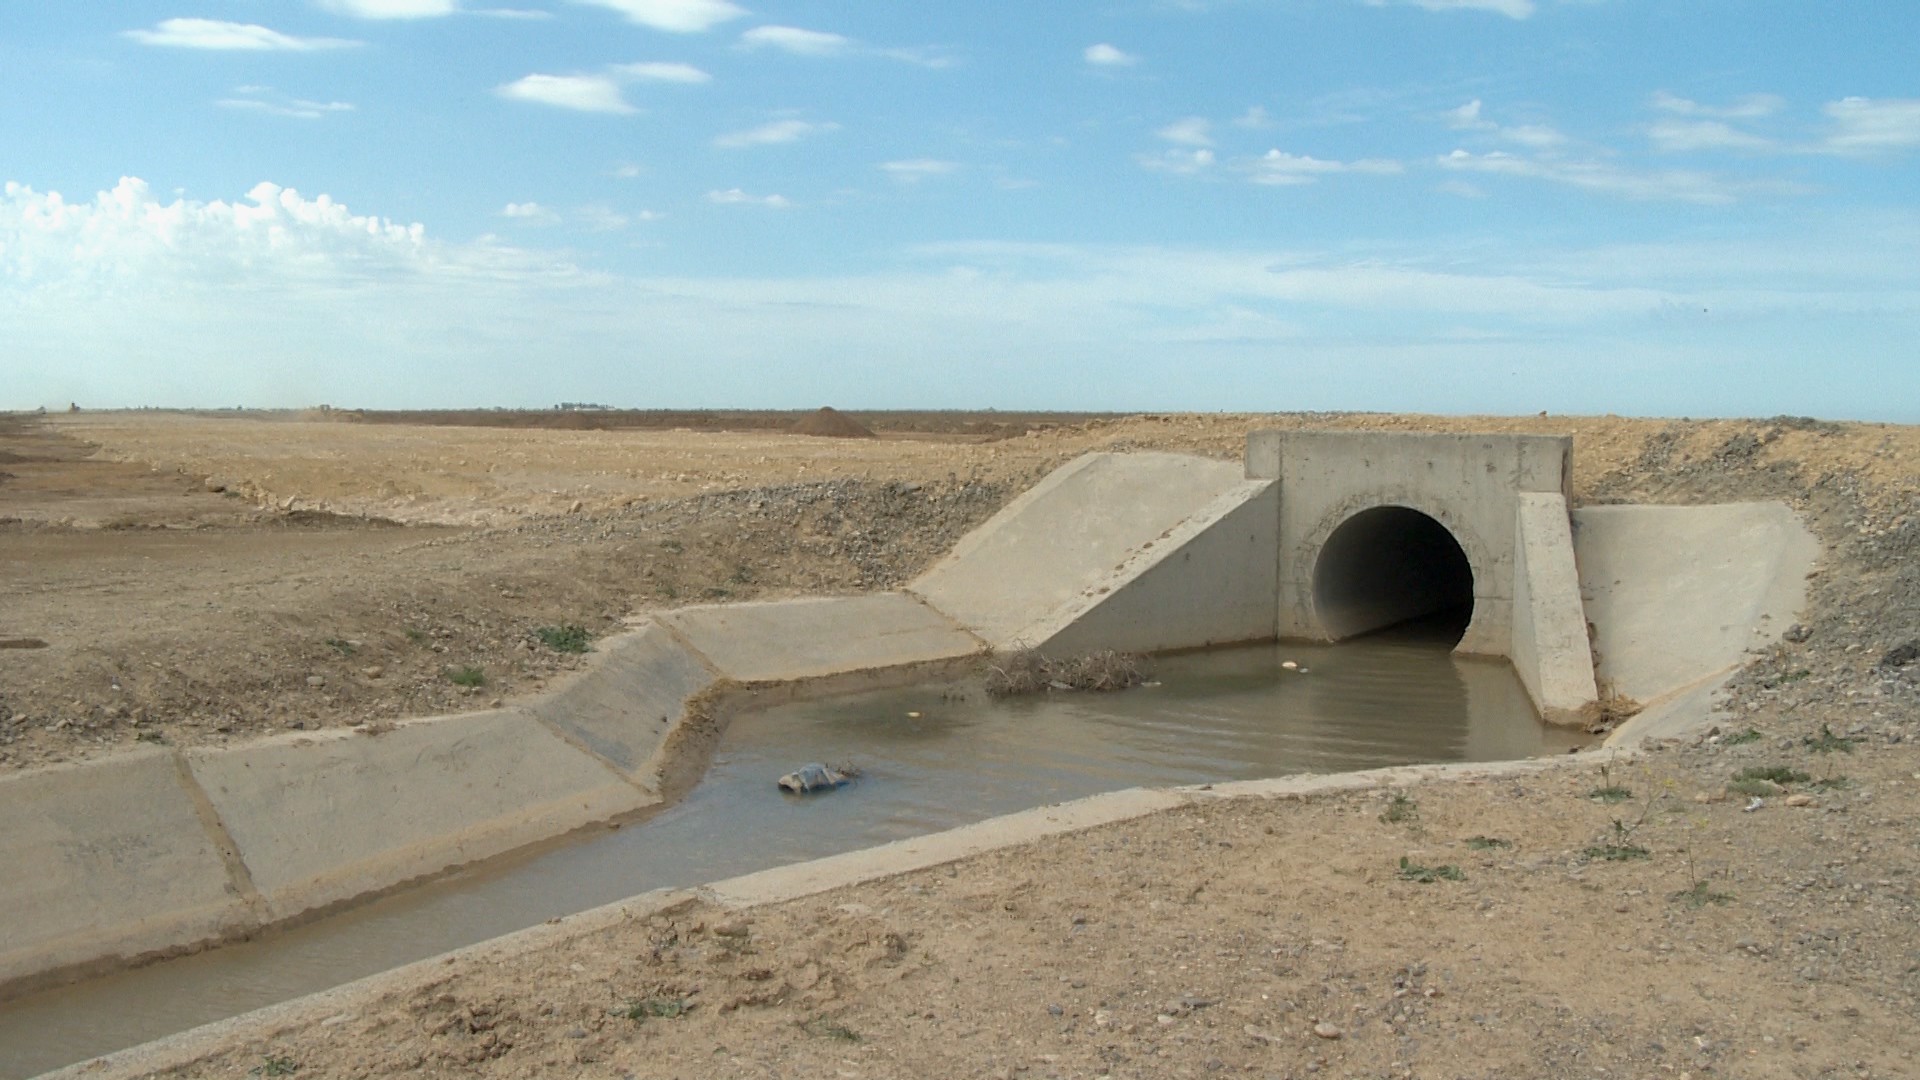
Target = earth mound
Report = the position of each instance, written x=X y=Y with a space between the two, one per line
x=831 y=423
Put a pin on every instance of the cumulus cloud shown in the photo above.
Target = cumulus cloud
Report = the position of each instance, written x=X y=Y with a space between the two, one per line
x=916 y=169
x=581 y=93
x=675 y=16
x=128 y=232
x=1104 y=55
x=1277 y=168
x=737 y=197
x=1192 y=131
x=1512 y=9
x=262 y=99
x=779 y=131
x=1866 y=126
x=218 y=34
x=795 y=40
x=663 y=72
x=392 y=9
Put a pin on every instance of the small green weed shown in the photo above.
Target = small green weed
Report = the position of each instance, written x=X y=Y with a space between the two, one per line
x=1778 y=774
x=467 y=676
x=826 y=1027
x=1827 y=742
x=1488 y=843
x=1612 y=793
x=1757 y=789
x=566 y=639
x=1751 y=735
x=1699 y=895
x=152 y=736
x=416 y=635
x=1618 y=852
x=1831 y=783
x=342 y=646
x=674 y=547
x=1400 y=807
x=275 y=1065
x=656 y=1006
x=1427 y=875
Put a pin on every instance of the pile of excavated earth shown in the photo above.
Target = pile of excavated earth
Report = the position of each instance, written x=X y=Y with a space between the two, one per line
x=1742 y=902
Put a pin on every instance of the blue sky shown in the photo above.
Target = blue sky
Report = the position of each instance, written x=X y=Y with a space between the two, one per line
x=1654 y=207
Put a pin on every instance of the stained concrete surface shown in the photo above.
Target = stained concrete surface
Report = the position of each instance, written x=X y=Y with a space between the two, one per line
x=110 y=858
x=622 y=707
x=327 y=817
x=1008 y=579
x=814 y=637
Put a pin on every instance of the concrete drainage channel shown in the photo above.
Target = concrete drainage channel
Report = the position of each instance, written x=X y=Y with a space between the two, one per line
x=1319 y=536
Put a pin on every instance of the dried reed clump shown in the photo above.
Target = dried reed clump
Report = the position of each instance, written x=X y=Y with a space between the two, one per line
x=1026 y=671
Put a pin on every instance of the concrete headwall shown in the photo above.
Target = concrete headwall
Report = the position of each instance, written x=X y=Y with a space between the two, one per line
x=1467 y=483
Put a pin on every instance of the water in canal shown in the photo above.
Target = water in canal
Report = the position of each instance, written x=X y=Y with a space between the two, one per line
x=931 y=759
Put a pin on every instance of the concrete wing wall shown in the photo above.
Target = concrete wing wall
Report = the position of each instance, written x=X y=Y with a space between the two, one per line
x=1550 y=650
x=1678 y=595
x=1009 y=580
x=1210 y=581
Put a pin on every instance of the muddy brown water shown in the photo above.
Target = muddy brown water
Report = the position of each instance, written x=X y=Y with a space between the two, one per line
x=1223 y=715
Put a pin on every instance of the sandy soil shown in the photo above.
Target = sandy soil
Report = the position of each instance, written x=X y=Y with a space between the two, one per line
x=1780 y=941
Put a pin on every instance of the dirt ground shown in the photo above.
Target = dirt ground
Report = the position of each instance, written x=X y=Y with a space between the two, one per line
x=342 y=570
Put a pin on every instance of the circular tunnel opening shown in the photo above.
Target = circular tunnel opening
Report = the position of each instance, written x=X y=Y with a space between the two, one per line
x=1393 y=567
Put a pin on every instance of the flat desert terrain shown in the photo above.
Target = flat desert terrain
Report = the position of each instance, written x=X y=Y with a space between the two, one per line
x=193 y=579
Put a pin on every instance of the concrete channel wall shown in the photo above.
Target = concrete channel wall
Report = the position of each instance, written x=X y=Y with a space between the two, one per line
x=159 y=851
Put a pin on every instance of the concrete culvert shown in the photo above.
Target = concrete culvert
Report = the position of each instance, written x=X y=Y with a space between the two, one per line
x=1392 y=565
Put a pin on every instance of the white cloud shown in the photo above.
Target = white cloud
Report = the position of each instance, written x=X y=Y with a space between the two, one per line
x=1513 y=9
x=1255 y=117
x=1277 y=167
x=1674 y=185
x=392 y=9
x=1192 y=131
x=1104 y=55
x=221 y=35
x=1683 y=136
x=663 y=72
x=531 y=212
x=581 y=93
x=1469 y=117
x=263 y=99
x=1179 y=162
x=527 y=14
x=737 y=197
x=127 y=233
x=1750 y=107
x=795 y=40
x=779 y=131
x=1866 y=126
x=915 y=169
x=676 y=16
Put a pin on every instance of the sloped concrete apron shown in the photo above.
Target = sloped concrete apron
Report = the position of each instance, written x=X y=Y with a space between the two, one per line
x=159 y=852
